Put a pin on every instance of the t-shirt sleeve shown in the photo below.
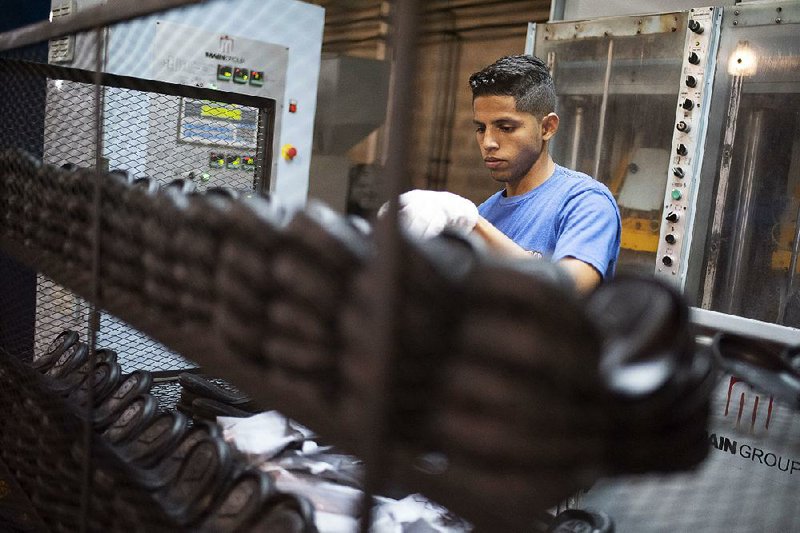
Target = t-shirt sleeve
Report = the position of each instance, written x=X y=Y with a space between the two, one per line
x=589 y=230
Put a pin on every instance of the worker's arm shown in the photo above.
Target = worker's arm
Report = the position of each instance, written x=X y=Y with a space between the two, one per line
x=585 y=276
x=496 y=240
x=426 y=213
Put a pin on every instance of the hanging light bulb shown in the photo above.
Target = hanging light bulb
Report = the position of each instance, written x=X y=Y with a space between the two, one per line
x=743 y=60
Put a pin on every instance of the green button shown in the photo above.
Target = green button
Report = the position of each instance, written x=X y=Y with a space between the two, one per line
x=676 y=194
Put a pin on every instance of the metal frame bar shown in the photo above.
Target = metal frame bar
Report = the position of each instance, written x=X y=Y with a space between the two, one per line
x=404 y=17
x=557 y=10
x=84 y=20
x=94 y=310
x=57 y=72
x=617 y=26
x=530 y=38
x=744 y=326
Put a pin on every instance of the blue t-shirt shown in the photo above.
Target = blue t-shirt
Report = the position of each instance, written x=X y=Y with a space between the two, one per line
x=569 y=215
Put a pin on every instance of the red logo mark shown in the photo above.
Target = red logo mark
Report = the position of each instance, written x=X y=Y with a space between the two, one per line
x=225 y=44
x=742 y=401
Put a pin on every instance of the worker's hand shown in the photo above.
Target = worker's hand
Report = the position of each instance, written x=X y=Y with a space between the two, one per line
x=425 y=214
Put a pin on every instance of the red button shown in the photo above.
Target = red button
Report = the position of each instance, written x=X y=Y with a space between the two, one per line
x=288 y=152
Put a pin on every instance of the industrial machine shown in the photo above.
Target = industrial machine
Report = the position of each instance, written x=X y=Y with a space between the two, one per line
x=618 y=80
x=260 y=58
x=261 y=55
x=690 y=118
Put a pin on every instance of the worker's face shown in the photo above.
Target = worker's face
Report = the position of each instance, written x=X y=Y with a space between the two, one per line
x=511 y=141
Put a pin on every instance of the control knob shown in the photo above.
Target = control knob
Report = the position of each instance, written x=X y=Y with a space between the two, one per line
x=670 y=238
x=678 y=171
x=696 y=27
x=688 y=104
x=673 y=217
x=682 y=150
x=694 y=59
x=682 y=126
x=691 y=81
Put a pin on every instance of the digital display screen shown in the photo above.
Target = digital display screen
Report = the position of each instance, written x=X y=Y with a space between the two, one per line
x=218 y=124
x=220 y=111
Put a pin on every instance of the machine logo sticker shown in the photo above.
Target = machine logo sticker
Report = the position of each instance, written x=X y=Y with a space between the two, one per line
x=226 y=48
x=225 y=44
x=742 y=401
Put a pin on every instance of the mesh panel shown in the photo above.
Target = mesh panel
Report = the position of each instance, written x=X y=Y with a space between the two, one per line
x=136 y=350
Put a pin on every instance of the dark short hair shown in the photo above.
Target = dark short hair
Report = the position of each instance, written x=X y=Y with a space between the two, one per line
x=524 y=77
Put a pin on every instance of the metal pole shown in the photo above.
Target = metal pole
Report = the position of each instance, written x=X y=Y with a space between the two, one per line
x=576 y=138
x=740 y=238
x=598 y=149
x=403 y=18
x=722 y=193
x=94 y=312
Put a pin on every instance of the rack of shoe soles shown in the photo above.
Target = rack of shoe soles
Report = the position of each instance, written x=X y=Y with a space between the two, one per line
x=291 y=321
x=143 y=456
x=522 y=395
x=505 y=409
x=312 y=275
x=45 y=220
x=427 y=312
x=204 y=400
x=244 y=277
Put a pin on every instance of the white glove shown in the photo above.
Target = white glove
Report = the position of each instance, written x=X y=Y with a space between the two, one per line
x=425 y=214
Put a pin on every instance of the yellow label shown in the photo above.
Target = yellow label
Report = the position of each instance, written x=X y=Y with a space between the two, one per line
x=221 y=112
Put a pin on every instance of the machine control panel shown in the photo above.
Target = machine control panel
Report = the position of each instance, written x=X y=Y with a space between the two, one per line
x=198 y=58
x=691 y=114
x=221 y=137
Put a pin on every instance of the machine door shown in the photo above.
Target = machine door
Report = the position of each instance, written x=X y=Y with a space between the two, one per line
x=748 y=265
x=618 y=81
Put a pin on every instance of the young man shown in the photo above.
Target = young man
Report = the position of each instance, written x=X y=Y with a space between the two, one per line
x=543 y=209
